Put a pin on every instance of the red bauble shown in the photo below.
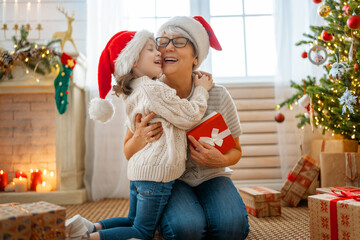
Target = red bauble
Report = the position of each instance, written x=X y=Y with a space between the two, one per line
x=279 y=117
x=346 y=9
x=356 y=67
x=304 y=55
x=327 y=37
x=328 y=65
x=317 y=1
x=353 y=22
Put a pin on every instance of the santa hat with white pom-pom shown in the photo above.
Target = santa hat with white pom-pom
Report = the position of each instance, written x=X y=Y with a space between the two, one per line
x=118 y=57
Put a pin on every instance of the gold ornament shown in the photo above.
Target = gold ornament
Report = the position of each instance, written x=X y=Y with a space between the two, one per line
x=323 y=10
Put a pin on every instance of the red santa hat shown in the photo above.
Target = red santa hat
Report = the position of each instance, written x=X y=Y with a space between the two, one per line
x=118 y=58
x=199 y=30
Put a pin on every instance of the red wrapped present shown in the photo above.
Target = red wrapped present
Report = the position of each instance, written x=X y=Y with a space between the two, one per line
x=261 y=201
x=335 y=215
x=299 y=180
x=214 y=131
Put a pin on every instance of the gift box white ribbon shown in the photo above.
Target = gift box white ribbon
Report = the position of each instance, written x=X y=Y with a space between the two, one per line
x=216 y=137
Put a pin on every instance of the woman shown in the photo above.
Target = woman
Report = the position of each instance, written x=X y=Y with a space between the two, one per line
x=204 y=203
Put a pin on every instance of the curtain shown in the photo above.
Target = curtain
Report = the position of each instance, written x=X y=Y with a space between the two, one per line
x=292 y=19
x=105 y=163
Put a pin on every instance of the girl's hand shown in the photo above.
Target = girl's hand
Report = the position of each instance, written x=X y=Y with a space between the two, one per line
x=205 y=154
x=204 y=82
x=145 y=132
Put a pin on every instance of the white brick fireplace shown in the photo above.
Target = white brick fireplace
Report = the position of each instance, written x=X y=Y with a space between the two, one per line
x=33 y=135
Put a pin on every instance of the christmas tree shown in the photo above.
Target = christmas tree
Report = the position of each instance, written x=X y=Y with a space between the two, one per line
x=333 y=101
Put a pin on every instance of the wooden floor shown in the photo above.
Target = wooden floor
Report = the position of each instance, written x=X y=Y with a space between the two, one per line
x=291 y=225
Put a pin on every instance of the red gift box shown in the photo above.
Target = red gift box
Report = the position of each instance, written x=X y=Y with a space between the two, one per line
x=214 y=131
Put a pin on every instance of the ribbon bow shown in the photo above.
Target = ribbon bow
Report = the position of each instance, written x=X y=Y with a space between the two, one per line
x=216 y=137
x=348 y=194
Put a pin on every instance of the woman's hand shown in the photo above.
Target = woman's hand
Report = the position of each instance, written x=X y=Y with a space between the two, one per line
x=207 y=155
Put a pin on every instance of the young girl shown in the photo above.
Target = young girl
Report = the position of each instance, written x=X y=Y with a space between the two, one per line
x=152 y=170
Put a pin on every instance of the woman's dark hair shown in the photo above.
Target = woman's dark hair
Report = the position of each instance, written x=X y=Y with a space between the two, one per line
x=123 y=84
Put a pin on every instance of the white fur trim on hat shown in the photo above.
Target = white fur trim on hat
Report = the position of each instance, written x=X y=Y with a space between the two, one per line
x=101 y=109
x=130 y=54
x=194 y=29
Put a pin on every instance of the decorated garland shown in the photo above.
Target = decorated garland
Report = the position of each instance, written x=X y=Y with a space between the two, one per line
x=39 y=58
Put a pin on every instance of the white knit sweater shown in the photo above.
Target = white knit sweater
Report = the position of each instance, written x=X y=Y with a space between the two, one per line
x=164 y=159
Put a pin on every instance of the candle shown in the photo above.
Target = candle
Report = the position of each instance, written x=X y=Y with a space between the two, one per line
x=44 y=187
x=4 y=12
x=28 y=10
x=10 y=187
x=21 y=184
x=35 y=179
x=38 y=12
x=15 y=11
x=3 y=180
x=19 y=173
x=49 y=178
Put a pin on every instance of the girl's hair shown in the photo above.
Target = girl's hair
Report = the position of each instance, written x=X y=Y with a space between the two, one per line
x=123 y=84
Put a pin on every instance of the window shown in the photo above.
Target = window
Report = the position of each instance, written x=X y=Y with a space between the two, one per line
x=245 y=30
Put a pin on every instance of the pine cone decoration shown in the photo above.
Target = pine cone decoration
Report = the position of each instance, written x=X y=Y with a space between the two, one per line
x=34 y=52
x=6 y=58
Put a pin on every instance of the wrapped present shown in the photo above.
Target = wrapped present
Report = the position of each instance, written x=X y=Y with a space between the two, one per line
x=261 y=201
x=340 y=169
x=299 y=180
x=331 y=146
x=214 y=131
x=335 y=215
x=330 y=189
x=44 y=220
x=14 y=223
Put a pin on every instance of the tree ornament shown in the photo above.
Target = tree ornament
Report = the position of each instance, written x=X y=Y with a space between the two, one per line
x=304 y=101
x=304 y=55
x=346 y=9
x=62 y=82
x=323 y=10
x=337 y=70
x=279 y=117
x=327 y=37
x=320 y=54
x=353 y=22
x=328 y=65
x=347 y=100
x=317 y=1
x=352 y=52
x=356 y=67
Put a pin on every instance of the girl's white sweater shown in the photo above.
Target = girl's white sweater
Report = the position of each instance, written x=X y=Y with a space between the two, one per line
x=164 y=159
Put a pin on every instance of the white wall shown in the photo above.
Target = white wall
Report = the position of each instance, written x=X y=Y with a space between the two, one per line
x=51 y=20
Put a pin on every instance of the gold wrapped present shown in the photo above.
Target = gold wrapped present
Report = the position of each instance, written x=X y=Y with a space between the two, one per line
x=14 y=223
x=299 y=180
x=331 y=146
x=44 y=220
x=340 y=169
x=261 y=201
x=335 y=215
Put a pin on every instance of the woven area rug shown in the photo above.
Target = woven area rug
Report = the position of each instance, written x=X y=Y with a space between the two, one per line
x=292 y=224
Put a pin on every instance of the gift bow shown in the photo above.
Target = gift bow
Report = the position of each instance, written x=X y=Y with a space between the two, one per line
x=216 y=137
x=348 y=194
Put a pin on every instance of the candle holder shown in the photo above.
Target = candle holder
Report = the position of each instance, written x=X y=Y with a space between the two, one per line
x=16 y=28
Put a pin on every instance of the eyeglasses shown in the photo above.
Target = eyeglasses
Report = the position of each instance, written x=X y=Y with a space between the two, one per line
x=178 y=42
